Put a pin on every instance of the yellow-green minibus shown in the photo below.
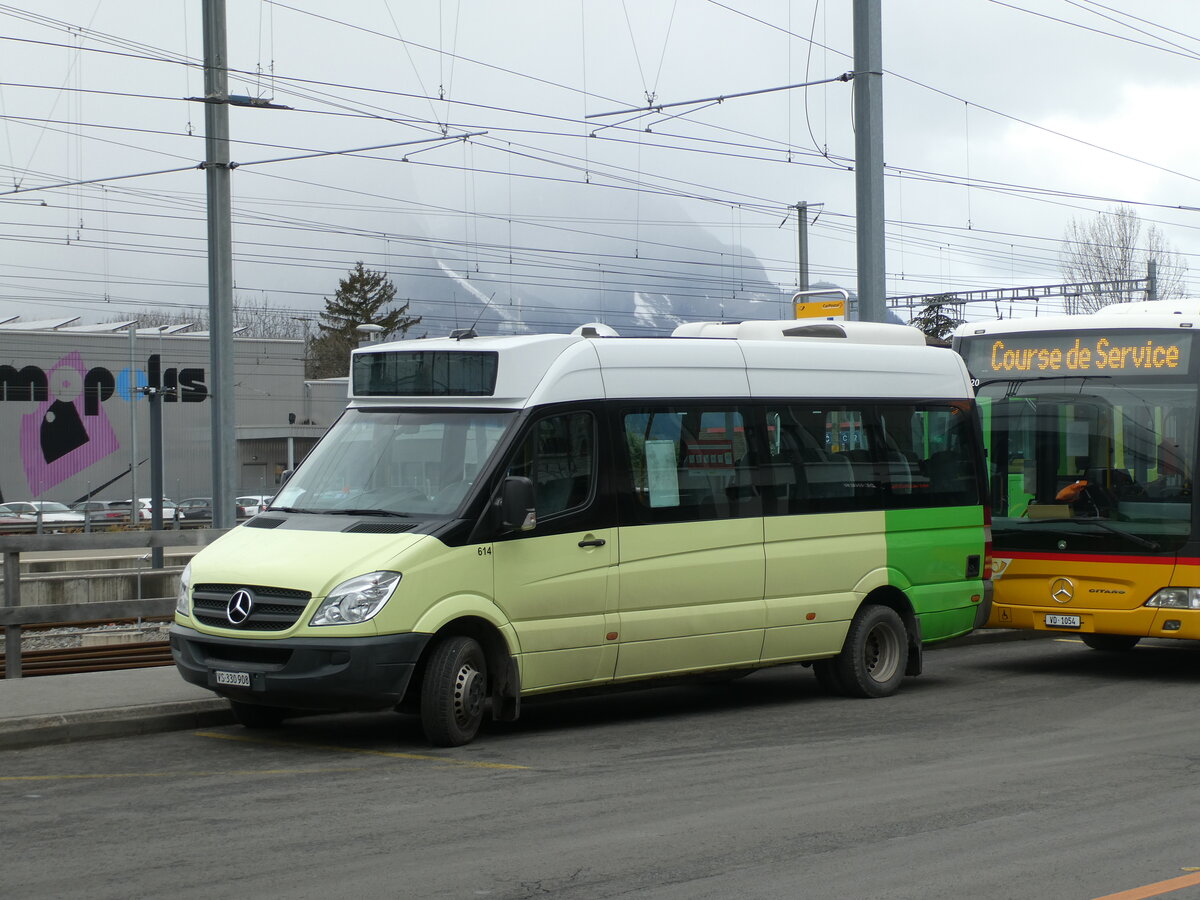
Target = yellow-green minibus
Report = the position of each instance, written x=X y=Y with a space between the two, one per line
x=494 y=518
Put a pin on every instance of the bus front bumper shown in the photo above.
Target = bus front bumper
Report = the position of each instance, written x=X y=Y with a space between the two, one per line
x=300 y=673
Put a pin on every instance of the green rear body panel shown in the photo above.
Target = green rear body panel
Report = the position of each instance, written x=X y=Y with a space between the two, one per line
x=931 y=548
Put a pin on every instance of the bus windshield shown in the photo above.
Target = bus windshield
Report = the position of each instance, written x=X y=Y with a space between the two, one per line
x=388 y=462
x=1095 y=463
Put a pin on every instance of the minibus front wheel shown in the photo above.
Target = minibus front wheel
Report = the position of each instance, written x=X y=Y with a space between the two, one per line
x=454 y=692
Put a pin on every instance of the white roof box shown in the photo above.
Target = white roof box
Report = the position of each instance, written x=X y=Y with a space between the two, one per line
x=1152 y=308
x=806 y=330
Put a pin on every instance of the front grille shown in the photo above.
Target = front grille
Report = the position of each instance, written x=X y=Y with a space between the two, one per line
x=274 y=608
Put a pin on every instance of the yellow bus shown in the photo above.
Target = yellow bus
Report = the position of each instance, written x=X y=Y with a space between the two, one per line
x=500 y=517
x=1090 y=426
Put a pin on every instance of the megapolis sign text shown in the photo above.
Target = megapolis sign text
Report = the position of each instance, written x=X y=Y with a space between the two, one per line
x=31 y=383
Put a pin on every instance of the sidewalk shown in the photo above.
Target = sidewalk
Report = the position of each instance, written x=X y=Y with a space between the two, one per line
x=55 y=709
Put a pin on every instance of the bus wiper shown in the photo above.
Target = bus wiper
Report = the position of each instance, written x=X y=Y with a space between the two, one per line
x=365 y=512
x=1106 y=526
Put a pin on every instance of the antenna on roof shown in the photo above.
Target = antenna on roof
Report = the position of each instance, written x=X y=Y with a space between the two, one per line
x=460 y=334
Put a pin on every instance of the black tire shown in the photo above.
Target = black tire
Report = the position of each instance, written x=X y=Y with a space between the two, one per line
x=875 y=654
x=1110 y=643
x=250 y=715
x=454 y=692
x=827 y=677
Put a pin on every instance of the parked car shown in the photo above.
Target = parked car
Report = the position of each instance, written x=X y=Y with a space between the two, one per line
x=103 y=510
x=252 y=504
x=195 y=508
x=170 y=512
x=51 y=511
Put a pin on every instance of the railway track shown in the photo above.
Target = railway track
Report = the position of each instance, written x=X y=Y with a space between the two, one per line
x=76 y=660
x=98 y=658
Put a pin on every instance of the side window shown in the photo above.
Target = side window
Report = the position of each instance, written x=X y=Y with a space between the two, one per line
x=821 y=459
x=929 y=456
x=691 y=463
x=558 y=456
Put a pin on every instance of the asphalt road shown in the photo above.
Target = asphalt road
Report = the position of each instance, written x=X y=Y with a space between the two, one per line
x=1032 y=769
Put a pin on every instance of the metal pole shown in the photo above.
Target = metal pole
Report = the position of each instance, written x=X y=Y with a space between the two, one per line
x=220 y=264
x=868 y=158
x=12 y=597
x=135 y=514
x=1152 y=279
x=802 y=250
x=156 y=469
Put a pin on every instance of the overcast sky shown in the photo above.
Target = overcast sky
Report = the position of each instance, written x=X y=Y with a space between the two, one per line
x=1002 y=122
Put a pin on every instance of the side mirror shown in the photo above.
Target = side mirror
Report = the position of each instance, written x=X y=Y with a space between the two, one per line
x=284 y=476
x=516 y=504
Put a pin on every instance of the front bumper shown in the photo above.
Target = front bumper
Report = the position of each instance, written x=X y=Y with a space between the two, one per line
x=302 y=673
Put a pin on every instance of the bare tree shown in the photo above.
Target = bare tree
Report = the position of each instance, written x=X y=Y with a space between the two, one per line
x=256 y=318
x=1113 y=247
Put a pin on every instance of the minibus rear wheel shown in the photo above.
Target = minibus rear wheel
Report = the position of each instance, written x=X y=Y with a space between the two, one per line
x=454 y=692
x=875 y=654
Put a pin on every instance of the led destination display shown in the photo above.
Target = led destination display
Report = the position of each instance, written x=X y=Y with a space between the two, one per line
x=1038 y=356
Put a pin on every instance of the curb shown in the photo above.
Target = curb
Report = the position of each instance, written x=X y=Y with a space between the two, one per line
x=62 y=728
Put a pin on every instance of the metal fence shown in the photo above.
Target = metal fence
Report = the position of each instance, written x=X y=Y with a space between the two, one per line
x=13 y=615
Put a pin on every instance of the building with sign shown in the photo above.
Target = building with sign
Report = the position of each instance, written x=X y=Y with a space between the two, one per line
x=75 y=415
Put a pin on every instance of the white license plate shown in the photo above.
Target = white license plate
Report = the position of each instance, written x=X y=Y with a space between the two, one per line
x=1062 y=621
x=236 y=679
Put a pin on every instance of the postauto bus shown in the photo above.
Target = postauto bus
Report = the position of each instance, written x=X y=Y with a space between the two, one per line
x=1090 y=422
x=499 y=517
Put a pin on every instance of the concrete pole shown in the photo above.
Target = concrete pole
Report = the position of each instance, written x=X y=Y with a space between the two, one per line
x=802 y=248
x=868 y=158
x=220 y=265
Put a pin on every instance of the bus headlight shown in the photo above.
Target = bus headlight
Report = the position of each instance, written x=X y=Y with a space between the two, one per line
x=356 y=600
x=1176 y=598
x=183 y=598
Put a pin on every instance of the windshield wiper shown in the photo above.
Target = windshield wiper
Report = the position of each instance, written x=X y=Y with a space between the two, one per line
x=1106 y=526
x=289 y=509
x=365 y=512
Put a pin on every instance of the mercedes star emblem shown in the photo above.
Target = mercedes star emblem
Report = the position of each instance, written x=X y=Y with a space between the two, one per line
x=1062 y=590
x=240 y=605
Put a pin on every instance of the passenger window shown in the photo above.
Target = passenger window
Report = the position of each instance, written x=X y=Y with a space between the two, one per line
x=821 y=459
x=558 y=456
x=928 y=457
x=691 y=464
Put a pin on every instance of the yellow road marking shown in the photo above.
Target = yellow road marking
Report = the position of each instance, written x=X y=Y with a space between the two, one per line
x=1157 y=889
x=321 y=771
x=387 y=753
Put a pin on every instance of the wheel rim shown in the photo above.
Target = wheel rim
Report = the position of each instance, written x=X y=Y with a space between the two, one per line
x=469 y=694
x=881 y=653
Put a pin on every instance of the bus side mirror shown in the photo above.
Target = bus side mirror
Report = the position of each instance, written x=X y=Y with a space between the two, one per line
x=516 y=504
x=284 y=476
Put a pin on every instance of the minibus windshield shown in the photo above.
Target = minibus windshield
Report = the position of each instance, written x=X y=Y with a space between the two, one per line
x=387 y=462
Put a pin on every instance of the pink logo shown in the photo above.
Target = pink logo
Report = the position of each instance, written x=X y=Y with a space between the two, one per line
x=58 y=441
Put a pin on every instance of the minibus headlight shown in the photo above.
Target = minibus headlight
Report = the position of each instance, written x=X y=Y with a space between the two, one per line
x=182 y=604
x=1176 y=598
x=356 y=600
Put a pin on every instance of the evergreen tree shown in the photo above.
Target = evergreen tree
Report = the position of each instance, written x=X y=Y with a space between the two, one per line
x=362 y=298
x=935 y=319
